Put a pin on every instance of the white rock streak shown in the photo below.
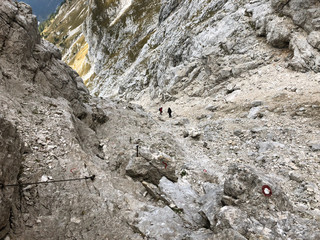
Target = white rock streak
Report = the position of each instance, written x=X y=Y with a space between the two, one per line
x=126 y=4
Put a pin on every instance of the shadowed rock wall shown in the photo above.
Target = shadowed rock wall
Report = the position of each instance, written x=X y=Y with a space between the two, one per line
x=10 y=164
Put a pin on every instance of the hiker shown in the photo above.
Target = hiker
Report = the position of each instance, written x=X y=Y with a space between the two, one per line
x=169 y=111
x=160 y=109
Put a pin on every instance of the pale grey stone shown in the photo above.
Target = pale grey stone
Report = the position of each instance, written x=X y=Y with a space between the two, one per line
x=255 y=112
x=257 y=130
x=232 y=217
x=257 y=103
x=302 y=52
x=202 y=234
x=315 y=147
x=278 y=32
x=237 y=132
x=211 y=108
x=295 y=176
x=184 y=197
x=211 y=202
x=195 y=134
x=161 y=223
x=269 y=145
x=314 y=39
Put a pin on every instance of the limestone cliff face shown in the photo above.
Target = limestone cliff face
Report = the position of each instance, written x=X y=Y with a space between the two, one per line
x=159 y=49
x=65 y=31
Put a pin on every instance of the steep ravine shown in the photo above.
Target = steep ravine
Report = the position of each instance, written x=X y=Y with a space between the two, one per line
x=198 y=175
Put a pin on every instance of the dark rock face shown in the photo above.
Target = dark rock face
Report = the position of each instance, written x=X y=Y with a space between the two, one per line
x=10 y=164
x=167 y=9
x=19 y=33
x=303 y=13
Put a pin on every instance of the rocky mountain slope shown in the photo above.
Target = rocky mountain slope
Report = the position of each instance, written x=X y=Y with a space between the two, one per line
x=159 y=49
x=65 y=31
x=241 y=163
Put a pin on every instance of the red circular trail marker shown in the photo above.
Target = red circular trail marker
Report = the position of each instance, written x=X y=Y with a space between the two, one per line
x=204 y=170
x=266 y=190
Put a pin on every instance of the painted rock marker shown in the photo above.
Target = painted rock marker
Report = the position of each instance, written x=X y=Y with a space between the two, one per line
x=165 y=164
x=266 y=190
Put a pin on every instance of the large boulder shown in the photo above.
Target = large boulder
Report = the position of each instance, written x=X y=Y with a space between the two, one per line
x=151 y=168
x=211 y=202
x=278 y=32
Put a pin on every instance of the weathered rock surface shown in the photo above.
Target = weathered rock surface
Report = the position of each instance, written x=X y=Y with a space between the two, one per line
x=211 y=202
x=10 y=164
x=184 y=198
x=162 y=49
x=161 y=223
x=251 y=213
x=278 y=32
x=45 y=105
x=206 y=186
x=151 y=168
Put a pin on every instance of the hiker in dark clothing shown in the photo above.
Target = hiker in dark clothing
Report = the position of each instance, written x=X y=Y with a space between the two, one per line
x=160 y=109
x=169 y=111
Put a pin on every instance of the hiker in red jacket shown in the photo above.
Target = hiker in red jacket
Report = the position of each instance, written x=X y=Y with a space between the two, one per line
x=160 y=109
